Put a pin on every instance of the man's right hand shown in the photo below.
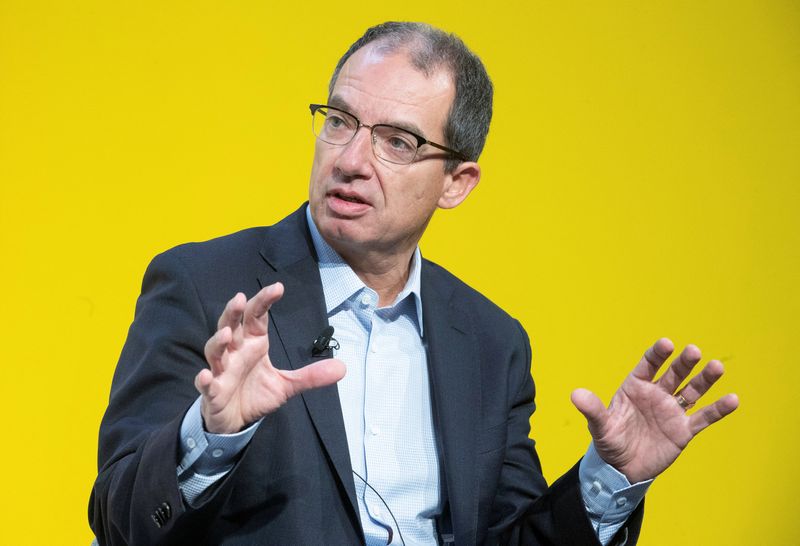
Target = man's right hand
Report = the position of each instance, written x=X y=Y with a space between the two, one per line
x=241 y=385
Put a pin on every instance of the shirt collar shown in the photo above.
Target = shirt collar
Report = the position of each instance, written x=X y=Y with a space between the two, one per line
x=340 y=282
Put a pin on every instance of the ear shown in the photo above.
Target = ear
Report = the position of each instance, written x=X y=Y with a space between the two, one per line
x=458 y=184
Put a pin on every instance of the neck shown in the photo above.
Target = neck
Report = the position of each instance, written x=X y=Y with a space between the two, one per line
x=386 y=274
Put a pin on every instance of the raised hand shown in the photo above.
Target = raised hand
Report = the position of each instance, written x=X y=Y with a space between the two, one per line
x=646 y=427
x=241 y=385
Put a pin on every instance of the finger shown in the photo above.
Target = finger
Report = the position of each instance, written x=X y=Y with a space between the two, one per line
x=593 y=409
x=703 y=381
x=712 y=413
x=256 y=314
x=680 y=369
x=318 y=374
x=203 y=381
x=215 y=349
x=653 y=358
x=232 y=314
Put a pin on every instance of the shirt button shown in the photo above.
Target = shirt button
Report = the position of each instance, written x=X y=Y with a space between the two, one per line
x=622 y=501
x=374 y=430
x=373 y=349
x=596 y=488
x=217 y=453
x=366 y=300
x=190 y=443
x=378 y=513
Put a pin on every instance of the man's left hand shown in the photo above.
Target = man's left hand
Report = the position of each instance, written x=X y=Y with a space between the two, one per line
x=646 y=427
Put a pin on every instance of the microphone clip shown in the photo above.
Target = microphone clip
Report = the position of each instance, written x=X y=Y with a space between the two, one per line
x=324 y=342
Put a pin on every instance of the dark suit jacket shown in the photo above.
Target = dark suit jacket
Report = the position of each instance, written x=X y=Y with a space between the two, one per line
x=293 y=483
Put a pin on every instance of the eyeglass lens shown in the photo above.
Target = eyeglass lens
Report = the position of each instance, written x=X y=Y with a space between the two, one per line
x=389 y=143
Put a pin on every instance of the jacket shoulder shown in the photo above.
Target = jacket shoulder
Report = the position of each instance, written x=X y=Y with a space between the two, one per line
x=288 y=238
x=245 y=242
x=466 y=297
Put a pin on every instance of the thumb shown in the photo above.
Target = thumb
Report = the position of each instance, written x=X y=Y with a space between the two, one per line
x=592 y=408
x=315 y=375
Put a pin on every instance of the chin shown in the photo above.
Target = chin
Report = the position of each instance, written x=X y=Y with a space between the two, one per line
x=342 y=231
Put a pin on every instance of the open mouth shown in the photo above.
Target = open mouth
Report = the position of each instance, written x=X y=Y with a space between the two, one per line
x=349 y=198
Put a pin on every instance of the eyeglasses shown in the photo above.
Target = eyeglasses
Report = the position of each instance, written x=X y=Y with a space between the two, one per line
x=389 y=143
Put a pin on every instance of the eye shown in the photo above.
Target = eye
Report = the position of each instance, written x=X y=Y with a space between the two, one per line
x=335 y=121
x=400 y=143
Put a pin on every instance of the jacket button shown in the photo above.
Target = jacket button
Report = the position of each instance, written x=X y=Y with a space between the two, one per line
x=161 y=514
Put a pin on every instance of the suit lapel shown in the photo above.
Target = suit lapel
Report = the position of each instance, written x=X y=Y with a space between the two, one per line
x=298 y=318
x=455 y=387
x=295 y=321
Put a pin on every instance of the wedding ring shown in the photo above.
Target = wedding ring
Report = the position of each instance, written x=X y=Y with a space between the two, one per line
x=683 y=402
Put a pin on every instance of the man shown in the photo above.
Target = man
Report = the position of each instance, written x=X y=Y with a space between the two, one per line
x=418 y=432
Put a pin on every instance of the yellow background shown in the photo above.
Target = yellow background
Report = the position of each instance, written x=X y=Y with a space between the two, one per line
x=640 y=179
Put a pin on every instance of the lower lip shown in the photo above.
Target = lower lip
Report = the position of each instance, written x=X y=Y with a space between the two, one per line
x=346 y=208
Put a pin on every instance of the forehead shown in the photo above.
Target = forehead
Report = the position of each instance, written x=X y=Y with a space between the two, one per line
x=384 y=87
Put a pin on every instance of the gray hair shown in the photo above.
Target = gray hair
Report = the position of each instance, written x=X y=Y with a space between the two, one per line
x=431 y=49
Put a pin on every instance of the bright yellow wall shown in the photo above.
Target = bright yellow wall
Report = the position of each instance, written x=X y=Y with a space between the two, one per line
x=641 y=179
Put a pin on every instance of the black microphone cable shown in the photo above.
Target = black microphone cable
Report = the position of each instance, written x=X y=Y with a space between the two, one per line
x=388 y=528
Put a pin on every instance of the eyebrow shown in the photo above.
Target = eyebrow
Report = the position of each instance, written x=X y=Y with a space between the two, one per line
x=337 y=102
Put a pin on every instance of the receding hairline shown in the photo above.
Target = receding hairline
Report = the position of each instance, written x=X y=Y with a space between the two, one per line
x=412 y=46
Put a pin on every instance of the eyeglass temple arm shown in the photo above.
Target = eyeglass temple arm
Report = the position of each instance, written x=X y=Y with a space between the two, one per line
x=459 y=155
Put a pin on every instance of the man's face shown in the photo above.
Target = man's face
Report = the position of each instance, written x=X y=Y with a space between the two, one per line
x=359 y=202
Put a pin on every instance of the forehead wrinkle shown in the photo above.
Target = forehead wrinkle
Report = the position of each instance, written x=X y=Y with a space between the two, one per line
x=440 y=84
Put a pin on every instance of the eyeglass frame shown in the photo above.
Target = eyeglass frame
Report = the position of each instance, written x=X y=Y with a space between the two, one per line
x=420 y=140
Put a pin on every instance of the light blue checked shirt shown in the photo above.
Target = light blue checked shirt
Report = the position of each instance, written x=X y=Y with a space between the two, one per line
x=386 y=407
x=385 y=400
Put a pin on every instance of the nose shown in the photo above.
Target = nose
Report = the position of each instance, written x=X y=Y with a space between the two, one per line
x=355 y=158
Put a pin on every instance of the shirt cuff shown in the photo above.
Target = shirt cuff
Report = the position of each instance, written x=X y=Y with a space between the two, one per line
x=608 y=495
x=207 y=453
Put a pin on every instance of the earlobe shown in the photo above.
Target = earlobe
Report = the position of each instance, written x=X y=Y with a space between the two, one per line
x=459 y=183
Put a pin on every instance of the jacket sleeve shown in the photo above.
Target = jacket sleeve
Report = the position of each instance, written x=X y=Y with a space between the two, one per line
x=135 y=499
x=526 y=511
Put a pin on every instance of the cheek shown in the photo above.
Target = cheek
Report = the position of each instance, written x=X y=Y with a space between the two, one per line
x=427 y=192
x=318 y=172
